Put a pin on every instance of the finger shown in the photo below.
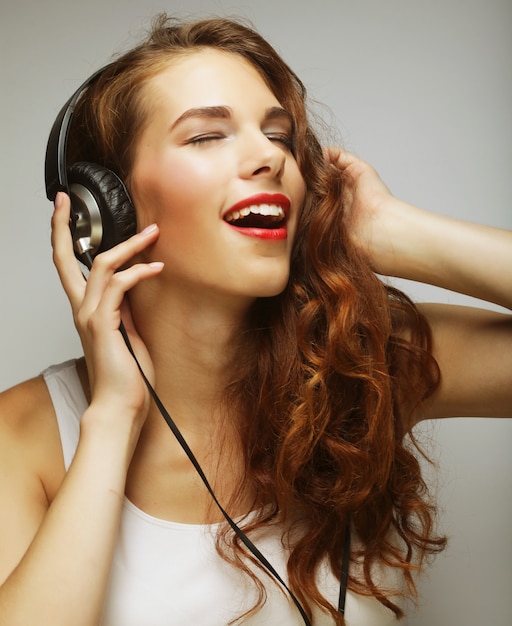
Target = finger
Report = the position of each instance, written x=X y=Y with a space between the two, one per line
x=107 y=313
x=137 y=345
x=339 y=157
x=331 y=153
x=106 y=264
x=63 y=253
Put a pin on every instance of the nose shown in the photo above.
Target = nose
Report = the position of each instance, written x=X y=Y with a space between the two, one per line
x=261 y=157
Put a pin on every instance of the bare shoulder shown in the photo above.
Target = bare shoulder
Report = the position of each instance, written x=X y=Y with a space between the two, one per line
x=31 y=467
x=29 y=436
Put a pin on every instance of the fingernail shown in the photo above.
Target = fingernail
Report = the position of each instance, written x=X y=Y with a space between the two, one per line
x=59 y=198
x=148 y=230
x=157 y=265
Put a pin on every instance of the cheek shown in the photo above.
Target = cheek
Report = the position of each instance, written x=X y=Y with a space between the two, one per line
x=172 y=189
x=301 y=190
x=188 y=176
x=299 y=195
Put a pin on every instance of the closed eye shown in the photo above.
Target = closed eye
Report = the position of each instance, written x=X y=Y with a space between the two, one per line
x=201 y=139
x=283 y=138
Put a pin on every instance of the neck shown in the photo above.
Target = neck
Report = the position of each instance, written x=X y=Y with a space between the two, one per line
x=193 y=348
x=192 y=343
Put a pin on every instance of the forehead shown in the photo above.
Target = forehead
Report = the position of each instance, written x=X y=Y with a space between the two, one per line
x=208 y=77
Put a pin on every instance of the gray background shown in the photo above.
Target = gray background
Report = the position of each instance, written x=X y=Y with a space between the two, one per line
x=423 y=90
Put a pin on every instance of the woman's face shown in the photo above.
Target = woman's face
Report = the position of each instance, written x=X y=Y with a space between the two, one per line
x=214 y=169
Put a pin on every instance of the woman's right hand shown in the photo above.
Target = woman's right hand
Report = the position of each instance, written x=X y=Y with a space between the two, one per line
x=99 y=305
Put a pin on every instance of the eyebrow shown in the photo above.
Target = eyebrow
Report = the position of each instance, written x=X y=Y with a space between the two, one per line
x=225 y=112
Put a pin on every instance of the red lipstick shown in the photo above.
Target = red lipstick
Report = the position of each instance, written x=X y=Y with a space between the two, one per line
x=262 y=216
x=262 y=198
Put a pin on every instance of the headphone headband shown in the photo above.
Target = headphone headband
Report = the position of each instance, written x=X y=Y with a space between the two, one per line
x=102 y=213
x=55 y=171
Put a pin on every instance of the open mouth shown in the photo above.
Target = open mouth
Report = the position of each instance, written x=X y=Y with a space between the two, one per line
x=267 y=216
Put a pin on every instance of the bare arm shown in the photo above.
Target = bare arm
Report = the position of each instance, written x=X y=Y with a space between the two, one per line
x=57 y=567
x=404 y=241
x=472 y=346
x=56 y=558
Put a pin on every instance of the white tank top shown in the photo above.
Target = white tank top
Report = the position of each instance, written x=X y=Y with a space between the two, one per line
x=169 y=574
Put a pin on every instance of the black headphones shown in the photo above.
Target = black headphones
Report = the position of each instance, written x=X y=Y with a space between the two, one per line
x=102 y=212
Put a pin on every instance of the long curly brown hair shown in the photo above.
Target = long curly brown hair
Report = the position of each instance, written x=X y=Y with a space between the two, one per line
x=329 y=372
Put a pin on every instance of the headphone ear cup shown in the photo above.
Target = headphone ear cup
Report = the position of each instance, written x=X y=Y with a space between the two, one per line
x=103 y=212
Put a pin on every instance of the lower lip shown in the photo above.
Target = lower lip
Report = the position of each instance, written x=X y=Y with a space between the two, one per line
x=269 y=234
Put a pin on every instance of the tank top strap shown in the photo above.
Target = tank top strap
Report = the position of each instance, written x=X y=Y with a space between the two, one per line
x=69 y=402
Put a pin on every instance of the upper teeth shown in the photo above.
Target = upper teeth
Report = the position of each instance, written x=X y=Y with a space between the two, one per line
x=259 y=209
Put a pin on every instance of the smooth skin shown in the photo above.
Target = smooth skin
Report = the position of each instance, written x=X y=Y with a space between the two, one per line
x=58 y=530
x=472 y=346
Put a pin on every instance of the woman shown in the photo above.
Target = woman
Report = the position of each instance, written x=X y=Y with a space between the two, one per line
x=250 y=298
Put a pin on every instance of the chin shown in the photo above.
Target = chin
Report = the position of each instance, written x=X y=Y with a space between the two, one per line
x=267 y=281
x=270 y=289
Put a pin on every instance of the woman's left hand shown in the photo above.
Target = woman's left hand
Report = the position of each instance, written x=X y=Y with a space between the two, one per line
x=404 y=241
x=368 y=208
